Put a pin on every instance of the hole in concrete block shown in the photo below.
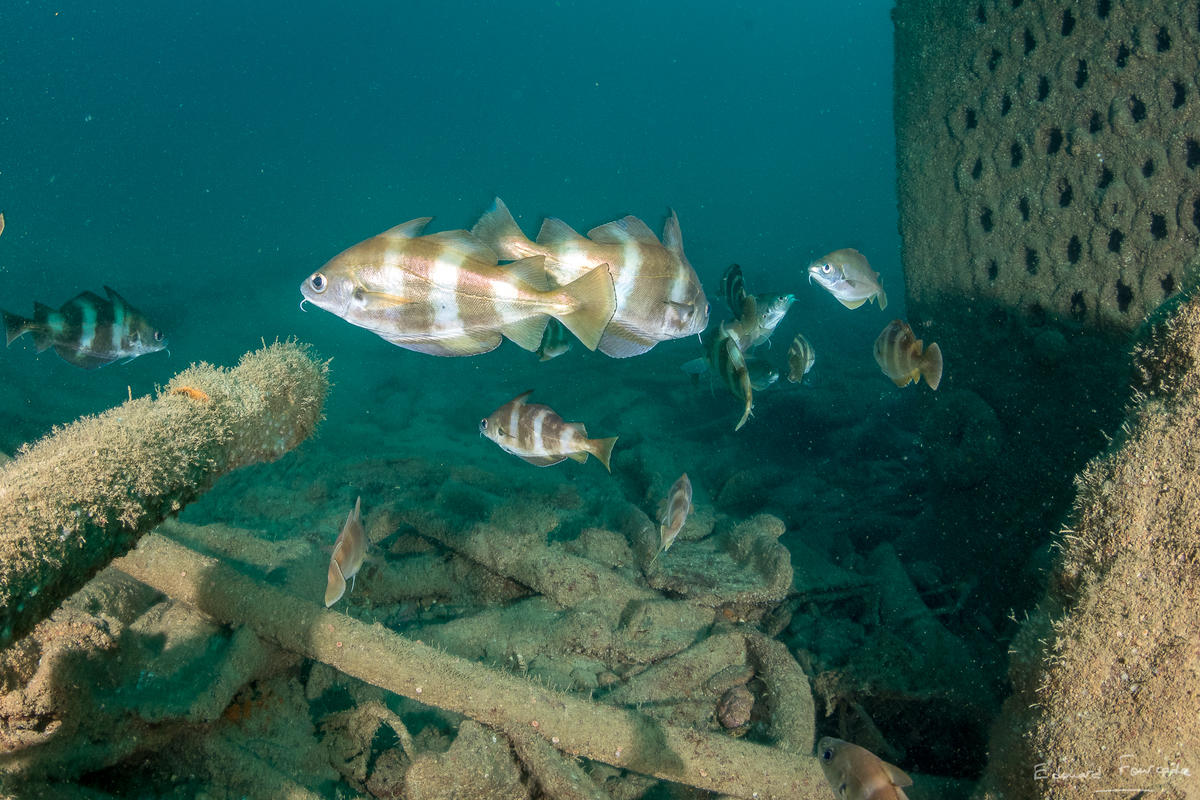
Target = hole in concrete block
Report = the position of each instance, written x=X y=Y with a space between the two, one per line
x=1023 y=206
x=1043 y=88
x=1074 y=250
x=1081 y=74
x=1162 y=40
x=1037 y=315
x=1017 y=3
x=1122 y=57
x=1095 y=123
x=1106 y=178
x=1078 y=306
x=1031 y=260
x=1148 y=168
x=1193 y=154
x=1137 y=108
x=971 y=119
x=1168 y=283
x=981 y=14
x=993 y=270
x=1158 y=226
x=1005 y=104
x=977 y=170
x=1018 y=155
x=1068 y=22
x=1102 y=8
x=1030 y=42
x=1180 y=94
x=1065 y=194
x=993 y=60
x=1115 y=237
x=1054 y=141
x=985 y=219
x=1124 y=296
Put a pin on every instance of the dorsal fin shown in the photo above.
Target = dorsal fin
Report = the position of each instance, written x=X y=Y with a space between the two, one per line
x=461 y=241
x=407 y=230
x=520 y=399
x=115 y=298
x=621 y=231
x=672 y=238
x=556 y=233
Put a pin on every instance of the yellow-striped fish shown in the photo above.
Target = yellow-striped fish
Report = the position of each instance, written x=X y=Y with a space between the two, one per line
x=856 y=773
x=673 y=514
x=801 y=358
x=659 y=296
x=349 y=551
x=538 y=435
x=445 y=295
x=899 y=354
x=846 y=275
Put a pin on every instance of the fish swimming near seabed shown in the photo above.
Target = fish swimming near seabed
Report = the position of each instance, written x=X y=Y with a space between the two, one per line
x=349 y=551
x=846 y=275
x=856 y=773
x=538 y=435
x=659 y=296
x=801 y=358
x=88 y=330
x=901 y=356
x=726 y=360
x=555 y=341
x=673 y=514
x=763 y=374
x=444 y=293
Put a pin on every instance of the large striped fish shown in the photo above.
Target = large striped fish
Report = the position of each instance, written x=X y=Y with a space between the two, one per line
x=902 y=357
x=445 y=295
x=540 y=436
x=659 y=296
x=88 y=330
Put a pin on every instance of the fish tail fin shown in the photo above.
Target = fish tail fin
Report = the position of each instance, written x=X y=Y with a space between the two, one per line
x=499 y=231
x=16 y=326
x=657 y=553
x=595 y=301
x=931 y=366
x=602 y=449
x=882 y=298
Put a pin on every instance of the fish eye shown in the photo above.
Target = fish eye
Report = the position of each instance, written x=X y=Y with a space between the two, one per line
x=827 y=754
x=317 y=282
x=483 y=424
x=158 y=336
x=827 y=268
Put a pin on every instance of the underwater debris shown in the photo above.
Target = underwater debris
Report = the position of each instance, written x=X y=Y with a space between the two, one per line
x=83 y=495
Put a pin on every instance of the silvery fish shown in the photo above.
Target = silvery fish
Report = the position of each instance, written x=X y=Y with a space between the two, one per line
x=554 y=341
x=846 y=275
x=538 y=435
x=348 y=553
x=856 y=773
x=801 y=358
x=673 y=513
x=725 y=359
x=659 y=296
x=898 y=352
x=88 y=331
x=762 y=374
x=759 y=317
x=445 y=295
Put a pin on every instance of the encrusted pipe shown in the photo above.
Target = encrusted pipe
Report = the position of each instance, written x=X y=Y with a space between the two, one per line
x=86 y=493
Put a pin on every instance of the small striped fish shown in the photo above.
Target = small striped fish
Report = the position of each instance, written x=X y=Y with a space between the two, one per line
x=659 y=296
x=901 y=356
x=673 y=514
x=846 y=275
x=87 y=330
x=349 y=551
x=801 y=358
x=554 y=341
x=725 y=359
x=540 y=436
x=445 y=295
x=733 y=288
x=855 y=773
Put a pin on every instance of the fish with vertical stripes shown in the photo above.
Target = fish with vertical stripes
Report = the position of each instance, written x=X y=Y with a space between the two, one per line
x=673 y=514
x=846 y=275
x=855 y=773
x=88 y=331
x=349 y=551
x=659 y=296
x=538 y=435
x=903 y=357
x=733 y=288
x=801 y=358
x=555 y=341
x=726 y=360
x=445 y=294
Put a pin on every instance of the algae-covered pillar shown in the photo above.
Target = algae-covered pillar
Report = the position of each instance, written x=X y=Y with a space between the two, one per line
x=84 y=494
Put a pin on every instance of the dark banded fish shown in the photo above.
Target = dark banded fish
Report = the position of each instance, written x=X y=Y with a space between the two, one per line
x=540 y=436
x=554 y=341
x=659 y=296
x=445 y=295
x=801 y=358
x=349 y=551
x=673 y=513
x=726 y=359
x=733 y=288
x=846 y=275
x=900 y=355
x=88 y=330
x=856 y=773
